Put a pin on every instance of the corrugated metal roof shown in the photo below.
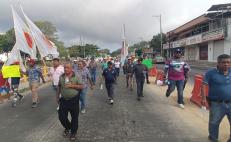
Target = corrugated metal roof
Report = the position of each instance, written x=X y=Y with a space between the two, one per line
x=199 y=20
x=219 y=7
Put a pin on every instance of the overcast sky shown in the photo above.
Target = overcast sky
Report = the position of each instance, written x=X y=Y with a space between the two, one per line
x=100 y=21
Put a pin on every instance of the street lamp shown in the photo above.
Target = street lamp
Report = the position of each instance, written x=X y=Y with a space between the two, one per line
x=161 y=39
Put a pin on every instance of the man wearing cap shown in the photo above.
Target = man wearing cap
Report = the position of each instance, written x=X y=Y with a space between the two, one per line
x=146 y=73
x=128 y=68
x=219 y=97
x=109 y=75
x=104 y=64
x=177 y=71
x=34 y=74
x=117 y=66
x=139 y=70
x=92 y=69
x=55 y=72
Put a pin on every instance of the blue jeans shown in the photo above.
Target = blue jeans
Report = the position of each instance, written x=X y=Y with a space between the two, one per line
x=216 y=114
x=179 y=85
x=117 y=71
x=93 y=76
x=82 y=98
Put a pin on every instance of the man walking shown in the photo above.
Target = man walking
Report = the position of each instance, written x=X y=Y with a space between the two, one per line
x=55 y=72
x=117 y=67
x=92 y=69
x=146 y=72
x=83 y=72
x=128 y=67
x=219 y=97
x=109 y=75
x=139 y=70
x=34 y=74
x=69 y=87
x=177 y=71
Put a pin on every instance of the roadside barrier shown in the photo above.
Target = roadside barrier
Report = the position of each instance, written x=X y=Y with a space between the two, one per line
x=152 y=71
x=159 y=76
x=196 y=92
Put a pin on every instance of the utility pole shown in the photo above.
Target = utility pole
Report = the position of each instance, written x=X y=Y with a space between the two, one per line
x=161 y=39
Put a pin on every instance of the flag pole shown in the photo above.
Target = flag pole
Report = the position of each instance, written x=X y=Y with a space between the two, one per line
x=42 y=58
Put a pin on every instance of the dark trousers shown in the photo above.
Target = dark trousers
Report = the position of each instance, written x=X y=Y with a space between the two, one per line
x=117 y=71
x=140 y=86
x=110 y=90
x=147 y=78
x=71 y=106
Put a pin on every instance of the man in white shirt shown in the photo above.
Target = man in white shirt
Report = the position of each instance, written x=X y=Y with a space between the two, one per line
x=55 y=72
x=117 y=66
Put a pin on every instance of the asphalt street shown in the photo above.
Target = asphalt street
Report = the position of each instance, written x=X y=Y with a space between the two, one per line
x=152 y=119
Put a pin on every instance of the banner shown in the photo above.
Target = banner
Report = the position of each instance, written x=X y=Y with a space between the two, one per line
x=11 y=71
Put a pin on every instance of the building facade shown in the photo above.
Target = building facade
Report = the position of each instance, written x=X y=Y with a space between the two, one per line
x=205 y=37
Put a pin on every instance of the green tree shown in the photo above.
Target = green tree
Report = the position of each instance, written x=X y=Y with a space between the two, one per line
x=7 y=41
x=156 y=41
x=48 y=29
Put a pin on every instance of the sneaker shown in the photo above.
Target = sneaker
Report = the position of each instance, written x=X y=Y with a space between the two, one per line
x=72 y=137
x=167 y=94
x=148 y=82
x=111 y=101
x=34 y=105
x=21 y=97
x=66 y=133
x=83 y=111
x=181 y=106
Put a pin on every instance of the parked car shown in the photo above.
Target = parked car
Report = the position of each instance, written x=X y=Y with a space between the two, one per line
x=159 y=59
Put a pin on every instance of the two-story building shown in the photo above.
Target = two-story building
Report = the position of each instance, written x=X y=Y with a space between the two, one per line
x=205 y=37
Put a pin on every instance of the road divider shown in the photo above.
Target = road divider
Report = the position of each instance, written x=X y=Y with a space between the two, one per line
x=196 y=92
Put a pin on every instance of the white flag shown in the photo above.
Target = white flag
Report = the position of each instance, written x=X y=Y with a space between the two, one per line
x=124 y=49
x=24 y=40
x=44 y=45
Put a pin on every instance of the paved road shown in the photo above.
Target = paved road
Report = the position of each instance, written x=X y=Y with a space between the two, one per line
x=151 y=120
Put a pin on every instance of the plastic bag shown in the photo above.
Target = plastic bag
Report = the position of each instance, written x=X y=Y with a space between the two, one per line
x=159 y=83
x=101 y=86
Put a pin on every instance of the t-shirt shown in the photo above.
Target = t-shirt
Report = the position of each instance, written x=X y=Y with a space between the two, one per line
x=109 y=75
x=140 y=70
x=85 y=75
x=219 y=85
x=92 y=65
x=68 y=93
x=34 y=74
x=129 y=67
x=117 y=64
x=104 y=65
x=176 y=69
x=56 y=73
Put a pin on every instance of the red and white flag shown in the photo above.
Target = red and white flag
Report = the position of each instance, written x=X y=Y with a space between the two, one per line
x=24 y=39
x=44 y=45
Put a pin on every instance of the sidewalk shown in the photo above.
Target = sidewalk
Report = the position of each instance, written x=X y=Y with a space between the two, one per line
x=192 y=112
